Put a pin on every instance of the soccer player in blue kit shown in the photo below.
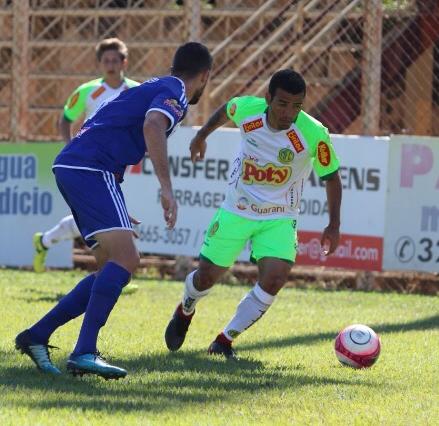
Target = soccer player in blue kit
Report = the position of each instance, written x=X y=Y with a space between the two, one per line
x=88 y=172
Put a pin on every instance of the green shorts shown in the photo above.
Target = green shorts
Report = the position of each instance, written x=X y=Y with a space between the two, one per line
x=228 y=234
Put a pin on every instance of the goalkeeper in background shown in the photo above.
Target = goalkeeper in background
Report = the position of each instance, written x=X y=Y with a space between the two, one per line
x=112 y=58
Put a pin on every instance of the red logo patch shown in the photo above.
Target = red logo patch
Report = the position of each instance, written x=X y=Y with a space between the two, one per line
x=295 y=141
x=73 y=100
x=98 y=92
x=232 y=110
x=253 y=125
x=323 y=153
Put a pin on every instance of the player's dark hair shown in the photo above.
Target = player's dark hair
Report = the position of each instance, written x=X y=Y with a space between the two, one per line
x=288 y=80
x=111 y=44
x=191 y=59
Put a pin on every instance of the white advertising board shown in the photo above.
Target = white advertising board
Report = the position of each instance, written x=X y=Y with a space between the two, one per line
x=200 y=189
x=412 y=217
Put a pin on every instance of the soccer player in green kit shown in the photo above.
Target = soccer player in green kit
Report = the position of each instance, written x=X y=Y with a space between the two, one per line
x=280 y=145
x=112 y=57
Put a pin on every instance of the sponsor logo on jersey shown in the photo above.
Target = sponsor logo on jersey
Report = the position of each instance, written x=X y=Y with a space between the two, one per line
x=264 y=175
x=323 y=153
x=98 y=92
x=295 y=141
x=174 y=106
x=251 y=141
x=285 y=156
x=232 y=109
x=253 y=125
x=73 y=100
x=242 y=203
x=267 y=210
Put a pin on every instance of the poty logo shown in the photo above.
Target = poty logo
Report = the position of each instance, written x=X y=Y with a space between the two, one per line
x=323 y=154
x=295 y=141
x=265 y=175
x=253 y=125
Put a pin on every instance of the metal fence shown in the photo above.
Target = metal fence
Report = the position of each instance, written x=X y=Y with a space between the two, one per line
x=372 y=67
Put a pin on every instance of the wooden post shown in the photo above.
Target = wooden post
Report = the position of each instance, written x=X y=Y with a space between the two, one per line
x=20 y=71
x=192 y=9
x=192 y=13
x=371 y=67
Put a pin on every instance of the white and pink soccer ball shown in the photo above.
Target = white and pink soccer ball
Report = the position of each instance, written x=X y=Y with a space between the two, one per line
x=357 y=346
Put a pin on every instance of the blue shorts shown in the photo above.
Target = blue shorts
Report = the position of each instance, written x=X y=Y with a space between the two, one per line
x=95 y=199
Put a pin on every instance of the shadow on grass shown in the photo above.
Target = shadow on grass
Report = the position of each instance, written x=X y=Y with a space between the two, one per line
x=160 y=382
x=32 y=295
x=428 y=323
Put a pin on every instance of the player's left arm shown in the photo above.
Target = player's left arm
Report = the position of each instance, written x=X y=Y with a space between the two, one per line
x=331 y=234
x=326 y=165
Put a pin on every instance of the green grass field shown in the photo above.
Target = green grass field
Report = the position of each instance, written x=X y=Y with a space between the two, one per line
x=288 y=372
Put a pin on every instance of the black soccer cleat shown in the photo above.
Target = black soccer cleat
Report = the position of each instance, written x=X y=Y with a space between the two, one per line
x=177 y=328
x=222 y=346
x=38 y=353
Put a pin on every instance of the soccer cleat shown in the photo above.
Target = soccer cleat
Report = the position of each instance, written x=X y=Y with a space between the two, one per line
x=177 y=328
x=39 y=262
x=222 y=346
x=39 y=353
x=78 y=365
x=129 y=289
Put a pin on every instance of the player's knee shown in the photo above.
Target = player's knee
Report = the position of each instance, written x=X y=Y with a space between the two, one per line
x=205 y=279
x=133 y=262
x=273 y=284
x=129 y=261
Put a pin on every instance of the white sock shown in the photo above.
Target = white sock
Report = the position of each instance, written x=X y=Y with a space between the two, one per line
x=191 y=295
x=66 y=229
x=252 y=306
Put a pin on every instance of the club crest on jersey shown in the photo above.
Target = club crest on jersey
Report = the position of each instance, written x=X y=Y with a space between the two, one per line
x=323 y=153
x=175 y=106
x=285 y=156
x=295 y=141
x=253 y=125
x=264 y=175
x=232 y=109
x=213 y=229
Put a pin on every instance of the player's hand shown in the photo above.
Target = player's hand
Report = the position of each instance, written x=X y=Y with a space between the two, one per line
x=134 y=221
x=169 y=208
x=331 y=238
x=198 y=148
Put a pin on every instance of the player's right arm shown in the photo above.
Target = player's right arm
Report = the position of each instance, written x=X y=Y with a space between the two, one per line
x=73 y=109
x=155 y=127
x=236 y=110
x=198 y=143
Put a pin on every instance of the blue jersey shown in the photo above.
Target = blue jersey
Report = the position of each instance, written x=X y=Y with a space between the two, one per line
x=113 y=137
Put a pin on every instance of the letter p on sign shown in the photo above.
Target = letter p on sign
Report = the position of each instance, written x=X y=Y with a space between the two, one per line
x=415 y=160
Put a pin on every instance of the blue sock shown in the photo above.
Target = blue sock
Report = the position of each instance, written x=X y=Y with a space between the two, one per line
x=104 y=294
x=70 y=306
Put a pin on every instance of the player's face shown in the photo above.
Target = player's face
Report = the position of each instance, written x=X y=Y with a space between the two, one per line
x=203 y=79
x=284 y=108
x=112 y=65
